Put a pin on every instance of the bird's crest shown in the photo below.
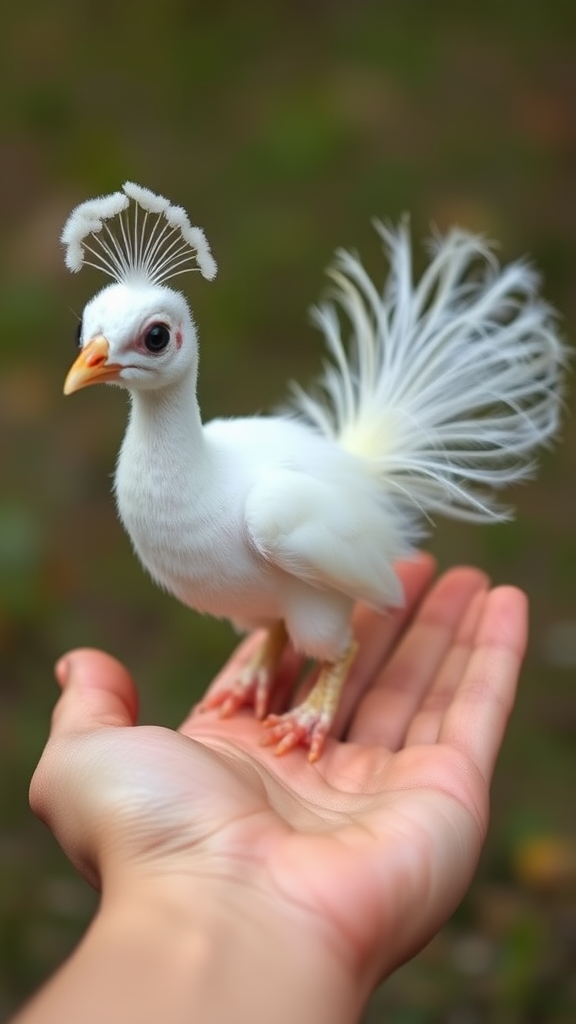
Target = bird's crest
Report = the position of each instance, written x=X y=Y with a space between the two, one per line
x=153 y=241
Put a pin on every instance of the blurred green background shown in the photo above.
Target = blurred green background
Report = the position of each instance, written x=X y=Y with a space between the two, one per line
x=283 y=128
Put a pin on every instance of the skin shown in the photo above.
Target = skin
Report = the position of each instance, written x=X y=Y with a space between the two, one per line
x=244 y=887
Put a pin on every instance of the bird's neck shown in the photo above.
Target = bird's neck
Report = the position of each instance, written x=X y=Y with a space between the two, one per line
x=166 y=478
x=165 y=430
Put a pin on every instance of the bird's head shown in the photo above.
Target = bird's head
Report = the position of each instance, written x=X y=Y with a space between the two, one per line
x=141 y=338
x=136 y=333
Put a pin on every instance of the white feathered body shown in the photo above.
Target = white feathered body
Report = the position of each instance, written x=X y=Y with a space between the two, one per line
x=440 y=395
x=256 y=529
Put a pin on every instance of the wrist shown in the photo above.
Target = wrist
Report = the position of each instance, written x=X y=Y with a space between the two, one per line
x=232 y=952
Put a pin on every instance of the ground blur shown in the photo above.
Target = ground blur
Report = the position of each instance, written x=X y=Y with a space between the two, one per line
x=283 y=128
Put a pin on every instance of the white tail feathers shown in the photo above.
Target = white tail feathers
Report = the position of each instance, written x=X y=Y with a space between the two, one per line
x=446 y=386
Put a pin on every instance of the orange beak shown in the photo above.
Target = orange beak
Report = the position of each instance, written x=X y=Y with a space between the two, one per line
x=91 y=366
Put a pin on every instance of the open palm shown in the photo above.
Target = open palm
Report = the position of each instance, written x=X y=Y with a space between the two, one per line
x=377 y=842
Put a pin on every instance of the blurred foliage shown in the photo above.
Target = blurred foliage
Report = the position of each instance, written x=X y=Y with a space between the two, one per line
x=283 y=128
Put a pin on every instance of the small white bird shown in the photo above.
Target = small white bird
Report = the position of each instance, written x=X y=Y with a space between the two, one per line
x=443 y=391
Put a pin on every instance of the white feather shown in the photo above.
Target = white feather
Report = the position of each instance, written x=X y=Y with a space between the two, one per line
x=146 y=198
x=141 y=250
x=86 y=219
x=447 y=386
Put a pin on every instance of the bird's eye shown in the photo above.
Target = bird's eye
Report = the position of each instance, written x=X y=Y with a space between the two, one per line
x=79 y=335
x=156 y=338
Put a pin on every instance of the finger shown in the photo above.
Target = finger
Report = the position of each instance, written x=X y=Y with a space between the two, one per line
x=376 y=635
x=476 y=719
x=388 y=707
x=427 y=721
x=96 y=691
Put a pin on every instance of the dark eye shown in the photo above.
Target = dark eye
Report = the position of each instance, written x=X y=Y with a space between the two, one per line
x=157 y=338
x=79 y=335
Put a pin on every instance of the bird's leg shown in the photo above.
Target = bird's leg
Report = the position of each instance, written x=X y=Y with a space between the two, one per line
x=309 y=722
x=254 y=682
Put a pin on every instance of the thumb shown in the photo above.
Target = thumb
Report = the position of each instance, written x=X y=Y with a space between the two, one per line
x=97 y=691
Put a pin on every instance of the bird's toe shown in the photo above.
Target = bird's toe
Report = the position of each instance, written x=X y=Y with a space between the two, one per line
x=297 y=727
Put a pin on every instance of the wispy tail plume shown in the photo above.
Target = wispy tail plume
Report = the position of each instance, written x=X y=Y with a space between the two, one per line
x=446 y=386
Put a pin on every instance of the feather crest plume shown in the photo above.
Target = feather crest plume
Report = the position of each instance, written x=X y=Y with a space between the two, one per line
x=153 y=242
x=447 y=385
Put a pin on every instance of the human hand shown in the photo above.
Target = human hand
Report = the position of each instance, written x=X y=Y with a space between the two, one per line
x=363 y=855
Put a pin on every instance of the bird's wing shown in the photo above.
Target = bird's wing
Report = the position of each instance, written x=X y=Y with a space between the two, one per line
x=333 y=537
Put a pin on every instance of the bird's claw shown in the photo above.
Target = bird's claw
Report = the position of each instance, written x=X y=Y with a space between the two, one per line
x=251 y=685
x=309 y=723
x=248 y=688
x=298 y=726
